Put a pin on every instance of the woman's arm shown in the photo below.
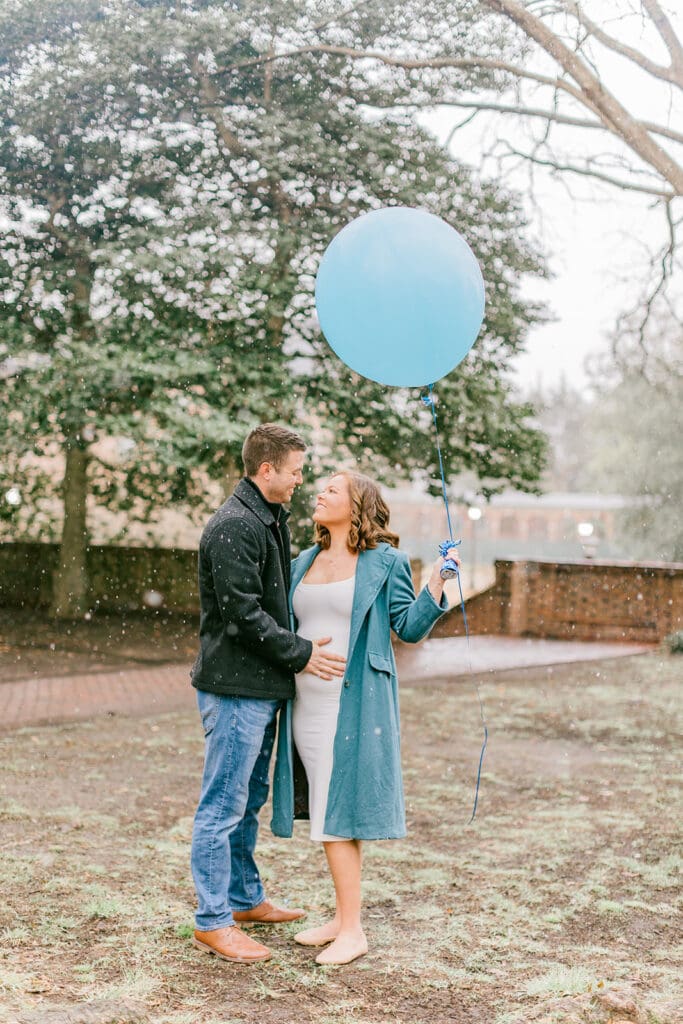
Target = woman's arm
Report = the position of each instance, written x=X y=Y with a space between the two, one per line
x=436 y=580
x=412 y=617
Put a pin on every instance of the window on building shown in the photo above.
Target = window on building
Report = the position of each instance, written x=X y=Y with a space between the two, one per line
x=508 y=525
x=538 y=528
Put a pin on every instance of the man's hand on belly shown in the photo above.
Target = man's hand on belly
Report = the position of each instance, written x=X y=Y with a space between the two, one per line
x=324 y=663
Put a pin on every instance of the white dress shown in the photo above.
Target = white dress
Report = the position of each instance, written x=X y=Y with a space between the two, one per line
x=321 y=609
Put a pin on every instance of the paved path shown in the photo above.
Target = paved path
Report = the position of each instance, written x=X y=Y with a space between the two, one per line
x=156 y=690
x=137 y=691
x=451 y=656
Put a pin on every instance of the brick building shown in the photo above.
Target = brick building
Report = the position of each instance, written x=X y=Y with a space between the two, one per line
x=551 y=527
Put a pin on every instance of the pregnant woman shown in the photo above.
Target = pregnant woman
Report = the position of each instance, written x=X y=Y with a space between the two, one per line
x=354 y=587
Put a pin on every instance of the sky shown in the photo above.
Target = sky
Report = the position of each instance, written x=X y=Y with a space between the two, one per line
x=596 y=241
x=595 y=253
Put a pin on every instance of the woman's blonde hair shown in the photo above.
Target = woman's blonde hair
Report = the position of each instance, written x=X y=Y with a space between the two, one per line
x=369 y=516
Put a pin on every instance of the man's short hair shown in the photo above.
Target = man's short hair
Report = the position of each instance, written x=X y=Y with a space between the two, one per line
x=271 y=443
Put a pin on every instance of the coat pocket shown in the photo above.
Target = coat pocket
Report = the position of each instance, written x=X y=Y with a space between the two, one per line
x=381 y=663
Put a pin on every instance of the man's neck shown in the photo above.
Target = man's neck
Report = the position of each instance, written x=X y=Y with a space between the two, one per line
x=274 y=505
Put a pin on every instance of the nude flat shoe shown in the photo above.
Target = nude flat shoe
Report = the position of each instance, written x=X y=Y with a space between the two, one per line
x=327 y=960
x=300 y=937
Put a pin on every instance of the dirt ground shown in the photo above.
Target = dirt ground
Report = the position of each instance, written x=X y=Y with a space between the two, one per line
x=31 y=645
x=558 y=905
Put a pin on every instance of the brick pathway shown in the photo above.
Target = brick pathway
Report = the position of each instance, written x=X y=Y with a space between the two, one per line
x=155 y=690
x=140 y=691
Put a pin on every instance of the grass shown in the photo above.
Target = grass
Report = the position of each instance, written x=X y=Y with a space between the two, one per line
x=562 y=981
x=563 y=888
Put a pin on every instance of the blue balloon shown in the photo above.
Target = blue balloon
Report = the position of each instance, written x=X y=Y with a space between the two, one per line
x=400 y=296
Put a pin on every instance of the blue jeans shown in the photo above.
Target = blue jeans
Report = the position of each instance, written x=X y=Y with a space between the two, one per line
x=239 y=733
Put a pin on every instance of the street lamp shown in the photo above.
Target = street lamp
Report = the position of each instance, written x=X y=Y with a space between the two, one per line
x=589 y=541
x=474 y=515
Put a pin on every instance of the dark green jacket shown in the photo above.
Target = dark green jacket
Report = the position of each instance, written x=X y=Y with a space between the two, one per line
x=246 y=648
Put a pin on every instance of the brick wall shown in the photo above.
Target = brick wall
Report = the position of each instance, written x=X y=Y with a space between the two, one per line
x=586 y=600
x=119 y=576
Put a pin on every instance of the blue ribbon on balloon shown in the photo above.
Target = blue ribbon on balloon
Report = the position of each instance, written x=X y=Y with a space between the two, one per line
x=444 y=547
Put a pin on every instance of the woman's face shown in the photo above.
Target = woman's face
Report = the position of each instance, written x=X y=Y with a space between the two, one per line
x=333 y=504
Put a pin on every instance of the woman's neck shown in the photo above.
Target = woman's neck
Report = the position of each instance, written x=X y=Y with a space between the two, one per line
x=339 y=542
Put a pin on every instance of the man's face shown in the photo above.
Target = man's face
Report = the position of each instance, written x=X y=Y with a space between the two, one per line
x=278 y=484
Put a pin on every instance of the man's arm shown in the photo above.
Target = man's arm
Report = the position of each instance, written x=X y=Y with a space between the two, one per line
x=234 y=553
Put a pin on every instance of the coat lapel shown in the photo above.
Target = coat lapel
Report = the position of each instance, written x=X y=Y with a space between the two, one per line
x=250 y=496
x=300 y=567
x=371 y=572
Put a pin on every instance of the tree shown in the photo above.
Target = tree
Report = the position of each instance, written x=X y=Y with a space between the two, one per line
x=577 y=44
x=85 y=180
x=576 y=99
x=561 y=413
x=625 y=438
x=168 y=192
x=637 y=421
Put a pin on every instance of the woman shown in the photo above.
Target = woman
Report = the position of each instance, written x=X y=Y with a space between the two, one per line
x=353 y=586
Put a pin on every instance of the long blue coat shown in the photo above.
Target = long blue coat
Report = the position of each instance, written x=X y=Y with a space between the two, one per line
x=365 y=799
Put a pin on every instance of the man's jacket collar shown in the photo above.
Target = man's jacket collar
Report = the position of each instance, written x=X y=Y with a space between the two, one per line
x=250 y=495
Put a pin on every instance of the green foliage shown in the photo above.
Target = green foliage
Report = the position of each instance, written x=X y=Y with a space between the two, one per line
x=675 y=642
x=624 y=438
x=166 y=195
x=637 y=428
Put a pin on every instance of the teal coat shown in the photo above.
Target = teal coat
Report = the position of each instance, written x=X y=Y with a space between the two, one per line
x=365 y=798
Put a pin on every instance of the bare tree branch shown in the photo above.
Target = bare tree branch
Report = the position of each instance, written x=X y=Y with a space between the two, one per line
x=672 y=73
x=665 y=271
x=585 y=85
x=666 y=31
x=429 y=63
x=551 y=115
x=613 y=114
x=590 y=172
x=458 y=126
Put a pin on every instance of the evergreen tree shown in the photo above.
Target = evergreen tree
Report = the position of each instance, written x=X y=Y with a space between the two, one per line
x=166 y=202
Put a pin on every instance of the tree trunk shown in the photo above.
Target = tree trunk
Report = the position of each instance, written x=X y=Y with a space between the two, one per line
x=70 y=583
x=231 y=478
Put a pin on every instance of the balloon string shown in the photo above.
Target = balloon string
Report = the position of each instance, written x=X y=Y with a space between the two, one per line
x=429 y=400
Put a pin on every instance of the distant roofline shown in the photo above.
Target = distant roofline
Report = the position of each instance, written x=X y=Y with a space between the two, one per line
x=561 y=499
x=519 y=499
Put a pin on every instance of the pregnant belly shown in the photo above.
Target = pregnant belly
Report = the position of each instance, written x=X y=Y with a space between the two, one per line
x=311 y=687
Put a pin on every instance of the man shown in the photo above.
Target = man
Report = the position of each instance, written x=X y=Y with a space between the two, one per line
x=244 y=671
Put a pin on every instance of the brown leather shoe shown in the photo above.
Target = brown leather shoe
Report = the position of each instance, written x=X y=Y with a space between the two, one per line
x=267 y=913
x=231 y=944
